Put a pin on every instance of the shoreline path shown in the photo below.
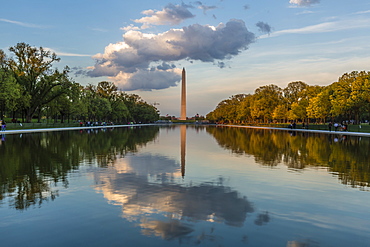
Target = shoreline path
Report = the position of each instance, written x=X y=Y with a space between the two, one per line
x=306 y=130
x=134 y=125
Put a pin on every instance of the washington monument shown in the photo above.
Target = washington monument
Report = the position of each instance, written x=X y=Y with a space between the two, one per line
x=183 y=96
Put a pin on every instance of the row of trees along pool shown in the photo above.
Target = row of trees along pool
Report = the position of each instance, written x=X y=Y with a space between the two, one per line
x=31 y=88
x=346 y=99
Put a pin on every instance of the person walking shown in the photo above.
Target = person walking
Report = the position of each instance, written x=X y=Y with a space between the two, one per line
x=336 y=125
x=330 y=125
x=3 y=126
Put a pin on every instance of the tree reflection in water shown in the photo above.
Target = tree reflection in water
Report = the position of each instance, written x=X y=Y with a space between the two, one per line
x=345 y=156
x=155 y=194
x=30 y=168
x=145 y=185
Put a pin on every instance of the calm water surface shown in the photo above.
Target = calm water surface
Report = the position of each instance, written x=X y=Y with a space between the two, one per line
x=184 y=186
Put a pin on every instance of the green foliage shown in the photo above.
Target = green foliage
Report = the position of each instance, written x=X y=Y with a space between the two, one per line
x=266 y=99
x=347 y=99
x=280 y=112
x=40 y=83
x=10 y=91
x=140 y=111
x=30 y=86
x=229 y=111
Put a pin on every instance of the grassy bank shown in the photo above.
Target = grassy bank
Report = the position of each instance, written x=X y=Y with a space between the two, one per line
x=35 y=125
x=365 y=128
x=351 y=127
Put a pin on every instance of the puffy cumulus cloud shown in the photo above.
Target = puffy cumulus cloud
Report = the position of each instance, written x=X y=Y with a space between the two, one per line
x=129 y=28
x=170 y=15
x=146 y=61
x=148 y=80
x=165 y=66
x=263 y=27
x=304 y=3
x=203 y=7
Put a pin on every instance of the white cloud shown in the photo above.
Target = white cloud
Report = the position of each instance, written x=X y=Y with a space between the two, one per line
x=305 y=12
x=363 y=12
x=170 y=15
x=23 y=24
x=141 y=55
x=324 y=27
x=131 y=27
x=147 y=80
x=66 y=54
x=304 y=3
x=99 y=30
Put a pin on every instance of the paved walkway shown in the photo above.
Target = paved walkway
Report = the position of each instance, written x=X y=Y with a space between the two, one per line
x=20 y=131
x=133 y=125
x=305 y=130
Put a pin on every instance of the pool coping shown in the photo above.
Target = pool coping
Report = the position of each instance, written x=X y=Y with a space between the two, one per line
x=303 y=130
x=21 y=131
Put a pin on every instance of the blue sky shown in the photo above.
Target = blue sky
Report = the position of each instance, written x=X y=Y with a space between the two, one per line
x=227 y=47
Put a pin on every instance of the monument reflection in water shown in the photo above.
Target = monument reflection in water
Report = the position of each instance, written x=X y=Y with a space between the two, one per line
x=221 y=187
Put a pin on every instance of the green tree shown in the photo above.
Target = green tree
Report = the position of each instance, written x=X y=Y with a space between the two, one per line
x=280 y=112
x=359 y=97
x=106 y=89
x=78 y=104
x=10 y=93
x=120 y=112
x=32 y=70
x=266 y=99
x=299 y=108
x=319 y=107
x=140 y=111
x=109 y=91
x=244 y=109
x=229 y=110
x=292 y=92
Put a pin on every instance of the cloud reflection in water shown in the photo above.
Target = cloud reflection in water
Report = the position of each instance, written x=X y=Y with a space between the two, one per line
x=151 y=191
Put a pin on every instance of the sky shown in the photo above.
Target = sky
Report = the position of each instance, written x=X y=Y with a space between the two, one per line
x=227 y=47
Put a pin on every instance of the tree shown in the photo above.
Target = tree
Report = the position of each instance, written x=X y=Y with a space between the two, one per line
x=120 y=111
x=266 y=99
x=351 y=95
x=230 y=110
x=293 y=91
x=78 y=104
x=319 y=107
x=140 y=111
x=109 y=91
x=299 y=108
x=106 y=89
x=10 y=93
x=280 y=112
x=9 y=90
x=244 y=109
x=359 y=97
x=32 y=70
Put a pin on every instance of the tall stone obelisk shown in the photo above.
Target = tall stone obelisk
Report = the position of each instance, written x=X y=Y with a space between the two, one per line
x=183 y=96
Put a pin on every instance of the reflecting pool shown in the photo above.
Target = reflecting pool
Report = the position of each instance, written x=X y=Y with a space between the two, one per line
x=184 y=185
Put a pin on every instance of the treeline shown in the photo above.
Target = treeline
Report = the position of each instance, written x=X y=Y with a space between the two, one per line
x=31 y=88
x=345 y=156
x=346 y=99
